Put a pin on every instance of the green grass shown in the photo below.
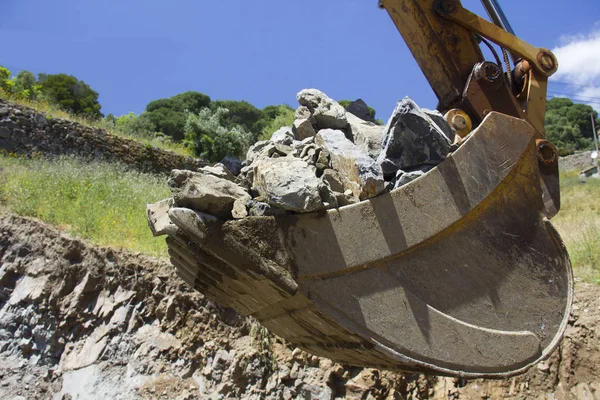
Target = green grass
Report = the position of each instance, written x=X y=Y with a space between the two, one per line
x=578 y=223
x=56 y=112
x=104 y=203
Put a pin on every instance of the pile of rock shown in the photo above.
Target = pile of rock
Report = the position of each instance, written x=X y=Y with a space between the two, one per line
x=329 y=158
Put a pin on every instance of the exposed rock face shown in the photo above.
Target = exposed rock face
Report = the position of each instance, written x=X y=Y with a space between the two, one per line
x=362 y=175
x=326 y=112
x=288 y=183
x=24 y=130
x=205 y=193
x=411 y=139
x=441 y=123
x=283 y=136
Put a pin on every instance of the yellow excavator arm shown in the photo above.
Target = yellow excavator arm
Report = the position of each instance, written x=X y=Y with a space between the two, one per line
x=458 y=272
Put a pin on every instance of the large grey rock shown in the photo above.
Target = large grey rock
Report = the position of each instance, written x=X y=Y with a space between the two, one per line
x=362 y=174
x=256 y=150
x=205 y=193
x=367 y=136
x=411 y=139
x=288 y=183
x=232 y=164
x=158 y=218
x=441 y=122
x=360 y=109
x=219 y=170
x=283 y=136
x=326 y=112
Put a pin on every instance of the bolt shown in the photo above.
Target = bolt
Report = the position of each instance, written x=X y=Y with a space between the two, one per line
x=546 y=60
x=459 y=122
x=447 y=6
x=546 y=152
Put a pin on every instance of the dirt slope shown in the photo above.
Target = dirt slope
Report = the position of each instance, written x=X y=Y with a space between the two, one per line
x=94 y=323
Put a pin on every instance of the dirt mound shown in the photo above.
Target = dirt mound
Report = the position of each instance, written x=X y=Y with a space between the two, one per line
x=83 y=322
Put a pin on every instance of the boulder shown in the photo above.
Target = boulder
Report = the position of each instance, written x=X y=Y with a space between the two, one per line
x=219 y=170
x=255 y=151
x=303 y=128
x=158 y=218
x=441 y=123
x=283 y=136
x=260 y=209
x=367 y=136
x=361 y=174
x=326 y=112
x=232 y=164
x=205 y=193
x=360 y=109
x=411 y=139
x=288 y=183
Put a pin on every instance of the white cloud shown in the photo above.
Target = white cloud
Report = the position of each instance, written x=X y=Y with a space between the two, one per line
x=579 y=68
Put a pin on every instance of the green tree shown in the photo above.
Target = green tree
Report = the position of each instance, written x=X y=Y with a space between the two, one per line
x=169 y=116
x=209 y=139
x=276 y=117
x=240 y=113
x=70 y=94
x=569 y=125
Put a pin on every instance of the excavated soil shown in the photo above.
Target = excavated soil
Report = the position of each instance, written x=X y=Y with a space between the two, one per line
x=81 y=322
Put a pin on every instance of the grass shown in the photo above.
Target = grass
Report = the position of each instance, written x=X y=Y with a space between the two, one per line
x=104 y=203
x=55 y=112
x=578 y=223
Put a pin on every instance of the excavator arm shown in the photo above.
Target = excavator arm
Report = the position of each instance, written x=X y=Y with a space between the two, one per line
x=458 y=272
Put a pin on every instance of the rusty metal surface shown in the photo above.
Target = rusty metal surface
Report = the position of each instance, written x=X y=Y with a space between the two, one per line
x=444 y=50
x=457 y=273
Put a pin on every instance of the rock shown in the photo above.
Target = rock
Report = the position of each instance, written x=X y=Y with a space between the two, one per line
x=441 y=123
x=219 y=170
x=402 y=178
x=367 y=136
x=326 y=112
x=232 y=164
x=283 y=135
x=288 y=183
x=360 y=109
x=361 y=174
x=239 y=210
x=261 y=209
x=205 y=193
x=303 y=128
x=158 y=217
x=255 y=150
x=411 y=139
x=334 y=180
x=3 y=111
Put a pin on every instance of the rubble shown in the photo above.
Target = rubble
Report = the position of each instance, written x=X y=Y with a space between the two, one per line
x=328 y=158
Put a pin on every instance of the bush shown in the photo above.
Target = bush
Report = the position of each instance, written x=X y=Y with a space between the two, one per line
x=209 y=139
x=284 y=117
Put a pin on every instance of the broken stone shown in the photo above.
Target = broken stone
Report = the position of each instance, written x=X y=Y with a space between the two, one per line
x=404 y=177
x=327 y=113
x=232 y=164
x=411 y=139
x=219 y=170
x=367 y=136
x=360 y=109
x=205 y=193
x=441 y=123
x=362 y=175
x=261 y=209
x=303 y=128
x=333 y=179
x=255 y=150
x=288 y=183
x=283 y=136
x=239 y=210
x=158 y=218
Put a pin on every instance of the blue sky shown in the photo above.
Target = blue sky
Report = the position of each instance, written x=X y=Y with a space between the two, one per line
x=135 y=51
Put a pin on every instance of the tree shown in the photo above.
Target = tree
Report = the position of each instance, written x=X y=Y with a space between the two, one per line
x=569 y=125
x=239 y=113
x=6 y=82
x=209 y=139
x=70 y=94
x=276 y=117
x=169 y=116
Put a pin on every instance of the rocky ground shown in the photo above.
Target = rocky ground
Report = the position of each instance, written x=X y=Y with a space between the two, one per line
x=83 y=322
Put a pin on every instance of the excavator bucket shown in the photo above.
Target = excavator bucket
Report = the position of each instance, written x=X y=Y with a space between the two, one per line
x=457 y=273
